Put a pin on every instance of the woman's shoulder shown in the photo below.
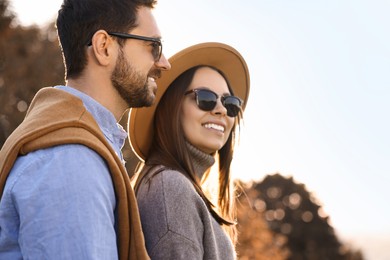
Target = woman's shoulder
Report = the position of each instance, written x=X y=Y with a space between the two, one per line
x=174 y=177
x=173 y=182
x=168 y=202
x=168 y=184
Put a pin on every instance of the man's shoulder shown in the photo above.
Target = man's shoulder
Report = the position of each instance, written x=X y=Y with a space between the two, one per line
x=55 y=166
x=60 y=155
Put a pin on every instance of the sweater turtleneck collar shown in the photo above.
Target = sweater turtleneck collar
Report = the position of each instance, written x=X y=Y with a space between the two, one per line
x=201 y=161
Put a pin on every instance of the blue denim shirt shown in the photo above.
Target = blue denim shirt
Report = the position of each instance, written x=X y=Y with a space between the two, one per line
x=59 y=202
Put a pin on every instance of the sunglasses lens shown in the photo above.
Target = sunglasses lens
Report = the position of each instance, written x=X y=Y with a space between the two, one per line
x=232 y=105
x=206 y=100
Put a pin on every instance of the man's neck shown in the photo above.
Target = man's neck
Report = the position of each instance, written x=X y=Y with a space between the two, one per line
x=103 y=93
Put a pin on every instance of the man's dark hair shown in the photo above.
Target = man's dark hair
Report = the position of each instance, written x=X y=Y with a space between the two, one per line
x=78 y=20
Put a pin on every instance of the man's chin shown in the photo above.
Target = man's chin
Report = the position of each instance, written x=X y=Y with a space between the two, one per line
x=146 y=102
x=150 y=100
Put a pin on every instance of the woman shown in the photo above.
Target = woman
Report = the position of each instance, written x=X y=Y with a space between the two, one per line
x=191 y=127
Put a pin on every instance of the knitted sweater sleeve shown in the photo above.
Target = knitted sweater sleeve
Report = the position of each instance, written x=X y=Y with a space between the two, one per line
x=172 y=216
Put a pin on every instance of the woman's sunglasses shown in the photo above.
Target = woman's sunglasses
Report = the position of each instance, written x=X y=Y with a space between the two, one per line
x=207 y=100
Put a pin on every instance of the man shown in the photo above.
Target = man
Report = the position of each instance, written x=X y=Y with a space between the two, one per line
x=65 y=193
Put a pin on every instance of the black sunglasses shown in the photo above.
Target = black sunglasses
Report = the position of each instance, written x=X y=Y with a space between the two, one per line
x=156 y=42
x=207 y=100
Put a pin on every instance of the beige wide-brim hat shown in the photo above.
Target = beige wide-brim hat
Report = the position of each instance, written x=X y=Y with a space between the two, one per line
x=218 y=55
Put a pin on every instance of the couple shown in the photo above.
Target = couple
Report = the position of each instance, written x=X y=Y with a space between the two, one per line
x=65 y=193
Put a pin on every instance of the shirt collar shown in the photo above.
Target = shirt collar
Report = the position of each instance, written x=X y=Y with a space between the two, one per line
x=112 y=130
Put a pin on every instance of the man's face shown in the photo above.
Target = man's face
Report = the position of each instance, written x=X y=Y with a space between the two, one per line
x=136 y=69
x=137 y=88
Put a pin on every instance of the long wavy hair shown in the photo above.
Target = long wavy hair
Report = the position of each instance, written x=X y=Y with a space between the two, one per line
x=169 y=149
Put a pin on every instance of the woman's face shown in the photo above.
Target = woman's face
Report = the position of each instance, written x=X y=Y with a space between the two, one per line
x=206 y=130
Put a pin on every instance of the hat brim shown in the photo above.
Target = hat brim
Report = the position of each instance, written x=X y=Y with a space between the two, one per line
x=218 y=55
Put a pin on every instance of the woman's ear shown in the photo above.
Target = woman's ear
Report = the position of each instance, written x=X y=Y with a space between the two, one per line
x=103 y=47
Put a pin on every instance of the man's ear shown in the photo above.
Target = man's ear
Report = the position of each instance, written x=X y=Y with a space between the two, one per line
x=103 y=47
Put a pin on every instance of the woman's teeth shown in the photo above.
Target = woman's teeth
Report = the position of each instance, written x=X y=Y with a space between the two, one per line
x=215 y=127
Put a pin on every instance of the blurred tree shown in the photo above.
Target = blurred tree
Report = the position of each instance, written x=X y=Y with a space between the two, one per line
x=6 y=17
x=255 y=239
x=29 y=60
x=293 y=212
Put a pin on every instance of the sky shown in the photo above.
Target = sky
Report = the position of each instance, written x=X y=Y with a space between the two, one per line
x=319 y=101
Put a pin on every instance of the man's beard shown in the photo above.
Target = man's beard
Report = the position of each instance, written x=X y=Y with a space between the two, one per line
x=131 y=85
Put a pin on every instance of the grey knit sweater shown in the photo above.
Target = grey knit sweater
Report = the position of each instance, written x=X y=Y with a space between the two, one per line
x=175 y=220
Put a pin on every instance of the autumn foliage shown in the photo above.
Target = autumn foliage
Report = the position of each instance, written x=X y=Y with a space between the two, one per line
x=280 y=219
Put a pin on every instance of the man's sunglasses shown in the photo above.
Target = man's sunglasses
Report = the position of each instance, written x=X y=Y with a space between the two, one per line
x=207 y=100
x=156 y=42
